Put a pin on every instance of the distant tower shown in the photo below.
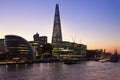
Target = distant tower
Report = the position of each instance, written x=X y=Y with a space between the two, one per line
x=57 y=33
x=36 y=37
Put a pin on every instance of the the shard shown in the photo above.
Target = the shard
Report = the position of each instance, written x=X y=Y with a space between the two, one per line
x=57 y=33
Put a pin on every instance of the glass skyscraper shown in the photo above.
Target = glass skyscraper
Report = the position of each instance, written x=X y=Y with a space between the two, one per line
x=57 y=33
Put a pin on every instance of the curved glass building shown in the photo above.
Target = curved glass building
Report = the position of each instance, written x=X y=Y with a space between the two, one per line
x=18 y=47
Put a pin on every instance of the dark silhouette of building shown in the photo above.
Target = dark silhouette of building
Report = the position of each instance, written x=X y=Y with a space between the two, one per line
x=43 y=40
x=2 y=47
x=57 y=33
x=36 y=37
x=115 y=57
x=2 y=50
x=94 y=54
x=18 y=48
x=47 y=50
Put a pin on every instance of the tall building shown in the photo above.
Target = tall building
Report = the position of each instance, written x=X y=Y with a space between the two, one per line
x=57 y=33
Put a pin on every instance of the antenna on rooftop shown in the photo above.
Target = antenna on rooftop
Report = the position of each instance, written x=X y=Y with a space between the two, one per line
x=73 y=39
x=80 y=41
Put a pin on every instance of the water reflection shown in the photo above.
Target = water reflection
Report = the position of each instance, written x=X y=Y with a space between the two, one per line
x=58 y=71
x=15 y=67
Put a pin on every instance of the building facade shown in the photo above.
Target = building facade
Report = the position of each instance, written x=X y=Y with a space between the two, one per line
x=69 y=49
x=41 y=39
x=18 y=48
x=42 y=49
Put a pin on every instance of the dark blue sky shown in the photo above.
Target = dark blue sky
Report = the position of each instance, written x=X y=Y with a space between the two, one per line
x=95 y=23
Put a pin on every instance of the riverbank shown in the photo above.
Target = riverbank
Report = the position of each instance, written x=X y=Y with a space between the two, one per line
x=9 y=63
x=41 y=61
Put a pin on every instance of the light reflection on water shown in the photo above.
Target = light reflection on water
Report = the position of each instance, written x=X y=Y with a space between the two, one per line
x=58 y=71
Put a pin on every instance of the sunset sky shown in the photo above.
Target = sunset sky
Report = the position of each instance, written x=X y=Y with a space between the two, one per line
x=95 y=23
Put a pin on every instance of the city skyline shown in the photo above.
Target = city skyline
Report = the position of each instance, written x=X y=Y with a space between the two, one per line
x=95 y=23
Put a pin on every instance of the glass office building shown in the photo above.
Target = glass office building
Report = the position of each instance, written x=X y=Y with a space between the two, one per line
x=18 y=47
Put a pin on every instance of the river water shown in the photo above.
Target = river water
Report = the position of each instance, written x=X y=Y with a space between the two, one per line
x=89 y=70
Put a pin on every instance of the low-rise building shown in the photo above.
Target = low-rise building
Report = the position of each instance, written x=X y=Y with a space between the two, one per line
x=42 y=49
x=66 y=48
x=94 y=54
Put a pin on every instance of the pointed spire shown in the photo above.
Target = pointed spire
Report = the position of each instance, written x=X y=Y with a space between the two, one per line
x=57 y=33
x=57 y=15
